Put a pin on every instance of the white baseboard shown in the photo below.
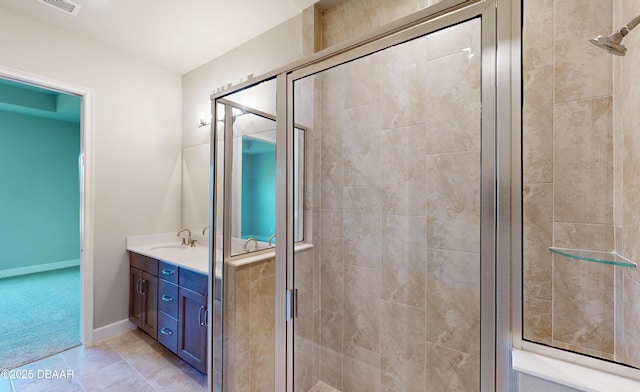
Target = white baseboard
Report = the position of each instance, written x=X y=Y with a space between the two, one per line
x=39 y=268
x=111 y=330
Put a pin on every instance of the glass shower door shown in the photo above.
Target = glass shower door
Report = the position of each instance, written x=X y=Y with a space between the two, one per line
x=245 y=178
x=388 y=275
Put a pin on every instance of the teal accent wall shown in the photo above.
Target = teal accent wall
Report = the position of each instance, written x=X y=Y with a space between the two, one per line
x=258 y=189
x=39 y=190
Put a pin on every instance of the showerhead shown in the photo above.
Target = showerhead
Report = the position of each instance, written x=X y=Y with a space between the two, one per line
x=613 y=43
x=610 y=43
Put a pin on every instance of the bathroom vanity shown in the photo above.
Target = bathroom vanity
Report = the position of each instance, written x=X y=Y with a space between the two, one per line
x=168 y=291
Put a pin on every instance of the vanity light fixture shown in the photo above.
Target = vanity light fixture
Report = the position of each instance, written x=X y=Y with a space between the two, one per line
x=204 y=120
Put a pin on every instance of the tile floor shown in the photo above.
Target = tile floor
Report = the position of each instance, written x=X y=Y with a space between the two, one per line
x=128 y=362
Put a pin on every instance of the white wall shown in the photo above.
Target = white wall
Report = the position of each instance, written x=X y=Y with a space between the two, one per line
x=271 y=50
x=137 y=140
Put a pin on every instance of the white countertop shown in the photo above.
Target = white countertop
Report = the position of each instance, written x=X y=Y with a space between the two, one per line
x=167 y=247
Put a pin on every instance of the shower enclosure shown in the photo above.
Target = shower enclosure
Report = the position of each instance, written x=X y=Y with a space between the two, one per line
x=580 y=184
x=385 y=215
x=390 y=295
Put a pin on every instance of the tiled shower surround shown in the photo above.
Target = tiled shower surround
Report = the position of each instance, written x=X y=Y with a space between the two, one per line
x=581 y=156
x=390 y=299
x=249 y=327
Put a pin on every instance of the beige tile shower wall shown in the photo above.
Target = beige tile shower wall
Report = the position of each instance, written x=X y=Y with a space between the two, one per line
x=537 y=156
x=627 y=119
x=249 y=327
x=583 y=294
x=306 y=263
x=629 y=99
x=350 y=18
x=399 y=208
x=306 y=339
x=568 y=173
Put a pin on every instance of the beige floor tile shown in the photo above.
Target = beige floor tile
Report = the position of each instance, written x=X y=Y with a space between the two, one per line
x=84 y=360
x=5 y=385
x=119 y=376
x=38 y=376
x=173 y=374
x=58 y=385
x=132 y=361
x=163 y=370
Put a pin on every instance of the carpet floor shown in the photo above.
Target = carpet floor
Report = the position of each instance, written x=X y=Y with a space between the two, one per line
x=39 y=315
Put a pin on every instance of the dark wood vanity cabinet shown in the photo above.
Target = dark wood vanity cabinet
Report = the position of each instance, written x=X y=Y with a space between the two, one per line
x=192 y=325
x=170 y=304
x=143 y=293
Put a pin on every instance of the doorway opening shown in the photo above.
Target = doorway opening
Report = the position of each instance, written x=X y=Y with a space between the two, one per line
x=44 y=274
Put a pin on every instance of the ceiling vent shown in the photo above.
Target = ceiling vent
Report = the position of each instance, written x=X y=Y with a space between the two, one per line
x=62 y=5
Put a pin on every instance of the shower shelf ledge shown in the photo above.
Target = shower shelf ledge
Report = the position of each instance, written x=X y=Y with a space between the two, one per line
x=611 y=258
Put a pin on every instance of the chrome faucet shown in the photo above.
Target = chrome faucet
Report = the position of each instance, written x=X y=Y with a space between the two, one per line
x=246 y=244
x=205 y=229
x=186 y=241
x=273 y=237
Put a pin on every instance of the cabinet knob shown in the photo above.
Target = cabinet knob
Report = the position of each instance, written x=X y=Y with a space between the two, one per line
x=167 y=298
x=166 y=331
x=168 y=272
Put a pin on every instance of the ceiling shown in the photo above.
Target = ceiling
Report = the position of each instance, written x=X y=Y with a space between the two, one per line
x=177 y=35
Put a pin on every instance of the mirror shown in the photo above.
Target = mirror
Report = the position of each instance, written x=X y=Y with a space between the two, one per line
x=195 y=186
x=253 y=205
x=253 y=194
x=251 y=114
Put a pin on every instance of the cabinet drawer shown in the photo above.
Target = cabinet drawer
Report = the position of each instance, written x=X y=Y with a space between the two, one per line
x=143 y=263
x=168 y=272
x=168 y=298
x=168 y=331
x=194 y=281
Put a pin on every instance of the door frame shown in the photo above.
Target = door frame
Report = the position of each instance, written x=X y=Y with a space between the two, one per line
x=85 y=164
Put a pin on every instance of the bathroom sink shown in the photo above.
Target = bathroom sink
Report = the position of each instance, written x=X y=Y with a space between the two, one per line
x=176 y=252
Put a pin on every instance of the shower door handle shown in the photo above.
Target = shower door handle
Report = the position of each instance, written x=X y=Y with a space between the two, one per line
x=292 y=304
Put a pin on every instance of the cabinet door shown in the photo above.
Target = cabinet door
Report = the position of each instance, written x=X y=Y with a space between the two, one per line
x=192 y=328
x=149 y=322
x=135 y=296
